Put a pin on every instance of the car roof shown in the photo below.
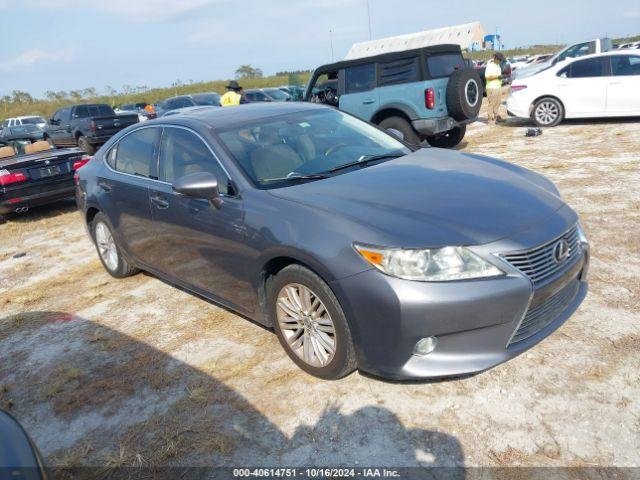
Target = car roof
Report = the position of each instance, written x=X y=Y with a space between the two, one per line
x=225 y=116
x=390 y=56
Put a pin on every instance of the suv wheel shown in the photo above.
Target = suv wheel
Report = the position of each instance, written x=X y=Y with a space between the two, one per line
x=310 y=323
x=84 y=144
x=464 y=94
x=401 y=129
x=108 y=250
x=547 y=112
x=448 y=139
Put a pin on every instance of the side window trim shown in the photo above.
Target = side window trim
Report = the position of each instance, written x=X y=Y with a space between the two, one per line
x=229 y=177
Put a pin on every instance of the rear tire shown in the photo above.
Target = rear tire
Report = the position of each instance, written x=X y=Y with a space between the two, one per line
x=448 y=139
x=108 y=251
x=547 y=112
x=306 y=314
x=399 y=127
x=84 y=144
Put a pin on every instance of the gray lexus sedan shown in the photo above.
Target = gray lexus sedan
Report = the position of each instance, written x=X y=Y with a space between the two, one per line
x=358 y=250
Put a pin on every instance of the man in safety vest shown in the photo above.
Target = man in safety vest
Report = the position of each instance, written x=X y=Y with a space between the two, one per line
x=493 y=77
x=233 y=96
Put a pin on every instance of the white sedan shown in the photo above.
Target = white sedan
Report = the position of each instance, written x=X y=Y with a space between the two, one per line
x=599 y=85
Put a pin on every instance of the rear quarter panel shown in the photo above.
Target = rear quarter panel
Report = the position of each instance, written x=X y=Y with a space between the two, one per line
x=412 y=95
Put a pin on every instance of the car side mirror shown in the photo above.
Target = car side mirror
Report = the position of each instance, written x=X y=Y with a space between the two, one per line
x=199 y=185
x=52 y=121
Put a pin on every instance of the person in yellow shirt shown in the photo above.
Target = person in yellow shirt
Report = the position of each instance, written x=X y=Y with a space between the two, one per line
x=233 y=96
x=493 y=77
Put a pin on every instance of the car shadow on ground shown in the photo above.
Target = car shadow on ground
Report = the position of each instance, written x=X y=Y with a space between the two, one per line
x=92 y=396
x=517 y=122
x=45 y=211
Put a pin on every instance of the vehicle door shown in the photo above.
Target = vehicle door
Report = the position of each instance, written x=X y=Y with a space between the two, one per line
x=124 y=192
x=63 y=130
x=202 y=246
x=582 y=86
x=53 y=127
x=623 y=90
x=357 y=91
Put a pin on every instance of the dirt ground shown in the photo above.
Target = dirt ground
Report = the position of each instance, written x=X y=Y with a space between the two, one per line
x=136 y=372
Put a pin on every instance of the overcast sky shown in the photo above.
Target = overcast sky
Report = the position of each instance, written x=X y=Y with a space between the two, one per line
x=73 y=44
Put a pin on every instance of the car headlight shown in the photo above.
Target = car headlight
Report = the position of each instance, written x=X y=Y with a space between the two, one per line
x=428 y=264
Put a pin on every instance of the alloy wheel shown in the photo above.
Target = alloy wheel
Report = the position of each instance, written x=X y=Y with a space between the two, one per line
x=547 y=112
x=306 y=324
x=106 y=246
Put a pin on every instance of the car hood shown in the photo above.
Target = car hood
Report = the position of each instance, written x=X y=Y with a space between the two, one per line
x=431 y=198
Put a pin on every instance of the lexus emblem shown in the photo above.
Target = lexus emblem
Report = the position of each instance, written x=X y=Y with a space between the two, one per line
x=561 y=251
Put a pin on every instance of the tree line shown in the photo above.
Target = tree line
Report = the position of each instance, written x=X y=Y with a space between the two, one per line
x=19 y=102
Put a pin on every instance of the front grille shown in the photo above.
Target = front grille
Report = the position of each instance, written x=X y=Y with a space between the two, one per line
x=540 y=263
x=542 y=315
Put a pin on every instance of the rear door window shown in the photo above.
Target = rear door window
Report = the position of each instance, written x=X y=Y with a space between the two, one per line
x=135 y=153
x=404 y=70
x=444 y=65
x=591 y=67
x=182 y=153
x=623 y=65
x=360 y=78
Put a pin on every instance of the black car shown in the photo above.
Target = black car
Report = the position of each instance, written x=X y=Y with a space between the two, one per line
x=211 y=99
x=30 y=132
x=32 y=173
x=87 y=126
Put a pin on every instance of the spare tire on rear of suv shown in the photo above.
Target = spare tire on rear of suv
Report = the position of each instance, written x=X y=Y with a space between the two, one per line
x=464 y=94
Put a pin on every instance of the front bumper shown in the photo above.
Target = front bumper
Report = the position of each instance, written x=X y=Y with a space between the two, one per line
x=474 y=321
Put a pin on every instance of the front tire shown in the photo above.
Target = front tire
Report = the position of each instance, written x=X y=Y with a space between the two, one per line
x=84 y=144
x=547 y=112
x=310 y=324
x=400 y=128
x=448 y=139
x=108 y=250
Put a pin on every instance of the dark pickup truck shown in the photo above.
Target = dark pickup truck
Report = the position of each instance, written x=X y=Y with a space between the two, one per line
x=85 y=126
x=33 y=173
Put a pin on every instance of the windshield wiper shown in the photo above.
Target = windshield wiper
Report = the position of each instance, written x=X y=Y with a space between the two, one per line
x=365 y=159
x=294 y=176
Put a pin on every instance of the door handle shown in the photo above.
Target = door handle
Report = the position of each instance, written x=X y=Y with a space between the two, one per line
x=105 y=186
x=368 y=101
x=160 y=202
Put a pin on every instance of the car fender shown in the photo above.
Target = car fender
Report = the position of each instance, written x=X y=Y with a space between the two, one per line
x=407 y=110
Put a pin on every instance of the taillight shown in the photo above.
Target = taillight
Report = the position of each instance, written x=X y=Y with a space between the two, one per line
x=92 y=126
x=7 y=177
x=430 y=98
x=517 y=88
x=82 y=162
x=76 y=178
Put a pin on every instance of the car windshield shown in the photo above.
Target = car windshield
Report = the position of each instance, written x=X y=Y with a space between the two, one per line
x=32 y=120
x=212 y=99
x=276 y=93
x=274 y=151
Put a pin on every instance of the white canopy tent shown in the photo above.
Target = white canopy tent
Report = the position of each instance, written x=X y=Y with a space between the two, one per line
x=465 y=35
